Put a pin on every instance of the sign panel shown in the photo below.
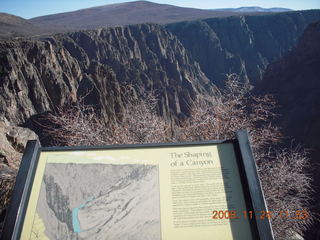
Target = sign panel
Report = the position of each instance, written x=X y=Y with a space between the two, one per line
x=194 y=191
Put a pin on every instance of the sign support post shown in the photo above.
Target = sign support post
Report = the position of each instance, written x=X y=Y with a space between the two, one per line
x=254 y=184
x=21 y=191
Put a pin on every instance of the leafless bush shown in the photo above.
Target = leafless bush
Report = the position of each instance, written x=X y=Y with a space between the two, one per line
x=219 y=117
x=76 y=125
x=287 y=190
x=282 y=172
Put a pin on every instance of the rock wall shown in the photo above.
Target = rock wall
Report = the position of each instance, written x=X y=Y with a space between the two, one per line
x=42 y=75
x=294 y=82
x=244 y=45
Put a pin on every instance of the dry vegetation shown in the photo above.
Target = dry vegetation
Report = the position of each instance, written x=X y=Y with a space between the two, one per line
x=81 y=125
x=282 y=171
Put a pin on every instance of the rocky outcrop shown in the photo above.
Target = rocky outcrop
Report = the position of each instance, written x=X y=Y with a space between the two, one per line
x=42 y=75
x=244 y=45
x=35 y=77
x=13 y=140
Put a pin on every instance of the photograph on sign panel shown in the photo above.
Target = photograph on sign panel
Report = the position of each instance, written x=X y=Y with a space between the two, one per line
x=72 y=205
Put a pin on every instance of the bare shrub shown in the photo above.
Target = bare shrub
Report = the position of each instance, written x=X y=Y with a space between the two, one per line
x=282 y=171
x=287 y=188
x=77 y=125
x=286 y=185
x=219 y=117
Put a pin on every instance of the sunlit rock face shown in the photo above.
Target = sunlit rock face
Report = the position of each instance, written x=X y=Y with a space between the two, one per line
x=41 y=75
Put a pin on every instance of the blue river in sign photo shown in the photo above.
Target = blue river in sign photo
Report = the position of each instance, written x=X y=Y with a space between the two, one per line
x=75 y=219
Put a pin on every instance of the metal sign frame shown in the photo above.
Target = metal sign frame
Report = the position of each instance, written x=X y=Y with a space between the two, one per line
x=253 y=193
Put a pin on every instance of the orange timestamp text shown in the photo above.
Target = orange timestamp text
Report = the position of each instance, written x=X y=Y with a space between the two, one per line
x=286 y=214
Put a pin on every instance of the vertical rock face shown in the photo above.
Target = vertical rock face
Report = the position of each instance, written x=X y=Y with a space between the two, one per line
x=35 y=77
x=150 y=57
x=244 y=45
x=295 y=82
x=41 y=75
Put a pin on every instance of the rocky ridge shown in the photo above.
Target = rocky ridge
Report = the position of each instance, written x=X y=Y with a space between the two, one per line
x=41 y=75
x=120 y=14
x=244 y=45
x=13 y=26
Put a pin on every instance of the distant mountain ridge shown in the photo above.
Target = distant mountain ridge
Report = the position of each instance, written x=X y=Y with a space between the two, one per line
x=254 y=9
x=13 y=26
x=120 y=14
x=136 y=12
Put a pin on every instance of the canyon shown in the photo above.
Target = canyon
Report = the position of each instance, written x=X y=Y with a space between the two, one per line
x=275 y=53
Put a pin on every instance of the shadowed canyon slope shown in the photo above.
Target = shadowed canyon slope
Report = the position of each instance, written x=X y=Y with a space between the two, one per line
x=295 y=82
x=41 y=75
x=244 y=45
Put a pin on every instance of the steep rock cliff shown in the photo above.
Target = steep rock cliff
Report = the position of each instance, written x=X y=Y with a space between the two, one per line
x=295 y=82
x=244 y=45
x=41 y=75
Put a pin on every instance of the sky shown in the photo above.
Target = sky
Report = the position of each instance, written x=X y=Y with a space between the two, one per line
x=33 y=8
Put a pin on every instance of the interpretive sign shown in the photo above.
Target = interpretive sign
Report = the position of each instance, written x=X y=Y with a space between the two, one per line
x=190 y=191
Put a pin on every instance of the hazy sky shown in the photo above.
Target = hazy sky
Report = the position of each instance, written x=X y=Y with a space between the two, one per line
x=33 y=8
